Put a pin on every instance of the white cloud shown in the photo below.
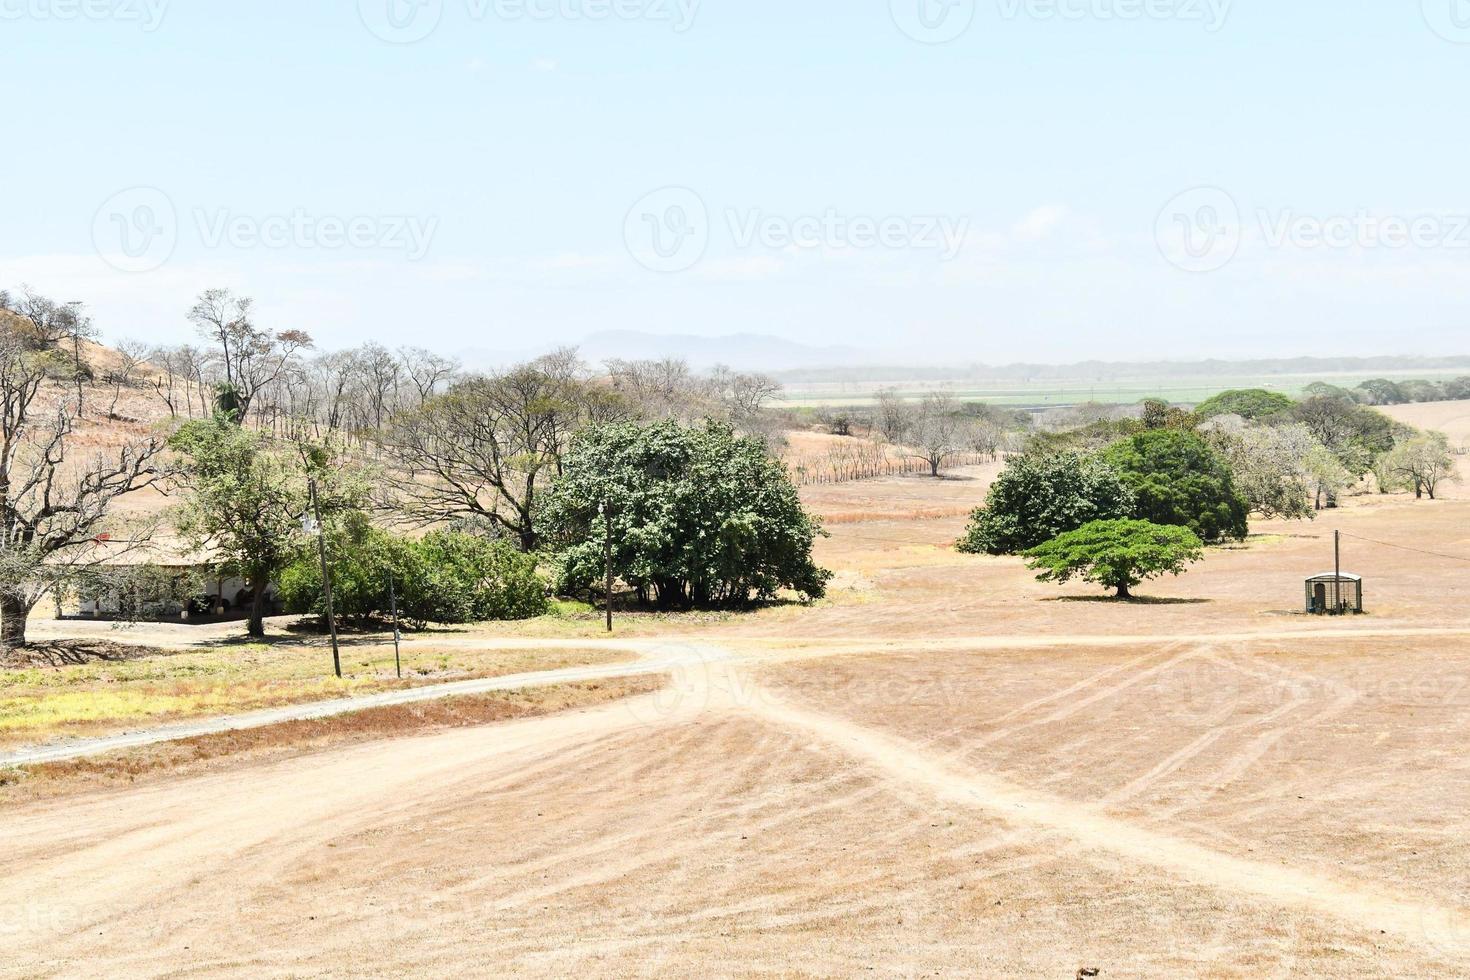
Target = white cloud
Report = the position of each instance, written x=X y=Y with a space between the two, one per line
x=1040 y=223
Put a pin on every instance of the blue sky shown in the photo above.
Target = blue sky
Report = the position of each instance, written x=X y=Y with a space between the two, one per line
x=486 y=185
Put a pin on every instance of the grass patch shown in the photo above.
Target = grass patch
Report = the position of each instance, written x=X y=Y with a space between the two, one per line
x=113 y=691
x=19 y=784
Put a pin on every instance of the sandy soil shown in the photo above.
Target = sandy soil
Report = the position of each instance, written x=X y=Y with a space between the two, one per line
x=1451 y=418
x=943 y=769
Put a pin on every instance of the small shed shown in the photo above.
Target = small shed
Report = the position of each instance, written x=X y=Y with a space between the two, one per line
x=1334 y=594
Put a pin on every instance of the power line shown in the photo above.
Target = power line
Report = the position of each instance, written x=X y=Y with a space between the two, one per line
x=1404 y=547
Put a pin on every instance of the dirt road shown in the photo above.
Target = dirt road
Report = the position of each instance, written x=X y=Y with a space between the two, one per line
x=725 y=825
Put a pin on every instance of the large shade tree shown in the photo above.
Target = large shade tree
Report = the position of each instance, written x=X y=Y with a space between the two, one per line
x=1178 y=479
x=1116 y=554
x=696 y=517
x=1040 y=495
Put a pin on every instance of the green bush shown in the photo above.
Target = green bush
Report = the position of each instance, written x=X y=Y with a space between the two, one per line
x=447 y=577
x=1041 y=495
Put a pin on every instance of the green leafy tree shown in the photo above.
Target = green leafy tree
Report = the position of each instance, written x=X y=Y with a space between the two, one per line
x=1116 y=554
x=1252 y=404
x=1178 y=479
x=1040 y=495
x=700 y=517
x=245 y=497
x=1381 y=391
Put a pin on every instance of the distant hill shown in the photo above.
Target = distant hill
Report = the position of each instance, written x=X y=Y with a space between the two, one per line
x=744 y=352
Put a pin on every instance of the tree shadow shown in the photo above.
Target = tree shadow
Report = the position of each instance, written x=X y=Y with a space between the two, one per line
x=1138 y=600
x=71 y=653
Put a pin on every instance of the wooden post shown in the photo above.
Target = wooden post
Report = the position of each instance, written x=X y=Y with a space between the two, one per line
x=321 y=546
x=393 y=600
x=607 y=561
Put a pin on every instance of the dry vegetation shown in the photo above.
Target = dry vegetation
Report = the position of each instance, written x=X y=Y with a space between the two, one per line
x=207 y=753
x=90 y=689
x=816 y=458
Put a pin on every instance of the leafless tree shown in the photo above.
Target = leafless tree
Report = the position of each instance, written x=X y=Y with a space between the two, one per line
x=893 y=416
x=57 y=324
x=426 y=371
x=483 y=450
x=252 y=359
x=132 y=355
x=378 y=374
x=51 y=507
x=938 y=431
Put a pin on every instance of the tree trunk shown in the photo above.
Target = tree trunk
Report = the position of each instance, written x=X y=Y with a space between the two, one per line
x=1123 y=592
x=13 y=615
x=256 y=627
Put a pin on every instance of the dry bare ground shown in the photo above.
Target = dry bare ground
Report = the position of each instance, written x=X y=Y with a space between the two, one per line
x=946 y=768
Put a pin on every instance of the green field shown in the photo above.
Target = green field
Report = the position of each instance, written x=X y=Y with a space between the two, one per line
x=1059 y=393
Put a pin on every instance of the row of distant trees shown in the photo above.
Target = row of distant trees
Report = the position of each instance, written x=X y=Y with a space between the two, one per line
x=1381 y=391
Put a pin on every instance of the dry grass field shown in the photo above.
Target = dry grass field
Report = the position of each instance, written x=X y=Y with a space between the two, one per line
x=945 y=768
x=1451 y=418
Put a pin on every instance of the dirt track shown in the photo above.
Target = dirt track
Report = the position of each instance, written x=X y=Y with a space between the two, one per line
x=866 y=786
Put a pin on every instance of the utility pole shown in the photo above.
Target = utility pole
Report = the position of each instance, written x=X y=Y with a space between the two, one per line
x=607 y=593
x=321 y=547
x=393 y=600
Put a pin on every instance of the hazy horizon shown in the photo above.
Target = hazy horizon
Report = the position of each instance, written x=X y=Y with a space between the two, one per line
x=1045 y=181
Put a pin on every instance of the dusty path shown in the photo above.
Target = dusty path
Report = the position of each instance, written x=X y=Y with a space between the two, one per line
x=655 y=658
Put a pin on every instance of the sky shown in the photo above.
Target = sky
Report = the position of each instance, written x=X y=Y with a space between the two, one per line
x=931 y=180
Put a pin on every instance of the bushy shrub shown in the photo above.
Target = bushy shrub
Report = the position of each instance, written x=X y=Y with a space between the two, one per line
x=447 y=577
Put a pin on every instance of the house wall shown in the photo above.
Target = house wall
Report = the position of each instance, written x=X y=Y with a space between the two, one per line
x=228 y=589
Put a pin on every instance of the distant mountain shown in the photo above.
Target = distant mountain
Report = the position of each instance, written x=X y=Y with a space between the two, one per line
x=743 y=352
